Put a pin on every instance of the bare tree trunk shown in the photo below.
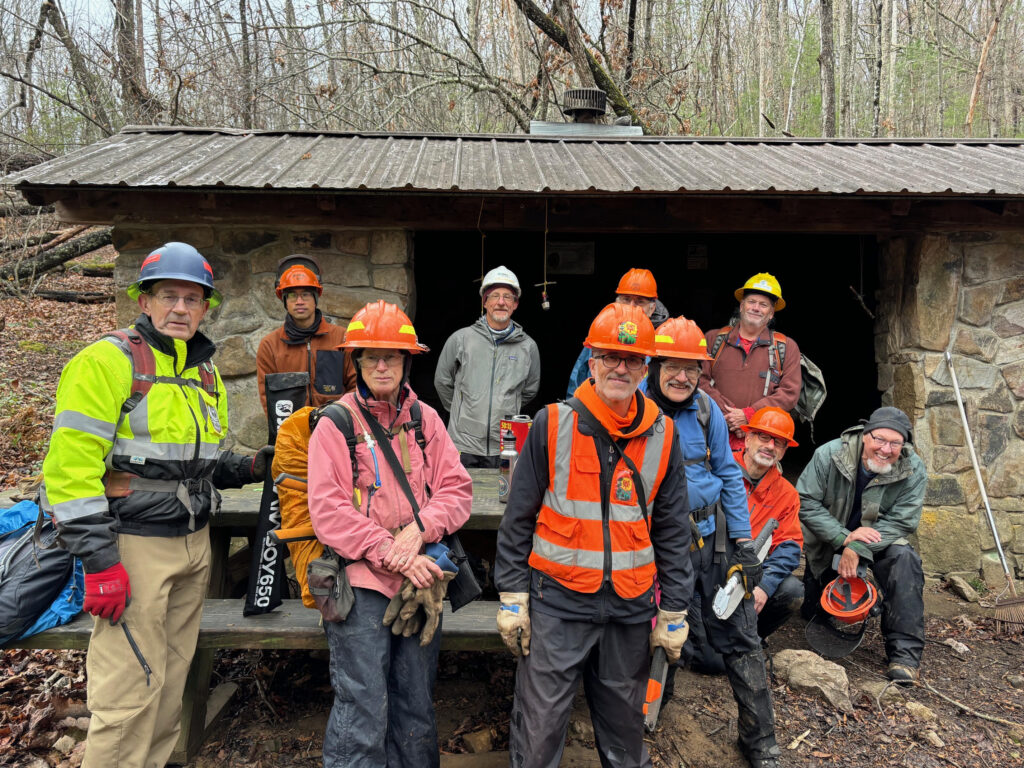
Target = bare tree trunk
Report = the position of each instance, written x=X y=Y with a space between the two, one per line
x=248 y=96
x=981 y=64
x=876 y=66
x=140 y=46
x=827 y=70
x=844 y=16
x=44 y=262
x=630 y=41
x=79 y=68
x=887 y=70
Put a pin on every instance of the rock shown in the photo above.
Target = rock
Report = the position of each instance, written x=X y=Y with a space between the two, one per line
x=272 y=745
x=945 y=425
x=976 y=342
x=970 y=373
x=479 y=741
x=233 y=358
x=943 y=490
x=1010 y=350
x=908 y=388
x=390 y=247
x=882 y=691
x=1005 y=476
x=1013 y=374
x=959 y=648
x=1017 y=681
x=926 y=318
x=1009 y=320
x=1003 y=526
x=960 y=587
x=241 y=242
x=344 y=271
x=317 y=241
x=992 y=569
x=932 y=738
x=1018 y=422
x=344 y=302
x=1003 y=259
x=920 y=712
x=354 y=241
x=949 y=459
x=65 y=744
x=948 y=540
x=1018 y=540
x=1013 y=290
x=394 y=279
x=998 y=399
x=979 y=302
x=580 y=726
x=807 y=671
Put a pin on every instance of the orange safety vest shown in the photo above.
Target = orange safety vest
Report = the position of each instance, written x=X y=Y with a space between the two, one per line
x=572 y=536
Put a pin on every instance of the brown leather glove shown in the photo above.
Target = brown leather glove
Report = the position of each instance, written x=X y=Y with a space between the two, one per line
x=431 y=600
x=405 y=623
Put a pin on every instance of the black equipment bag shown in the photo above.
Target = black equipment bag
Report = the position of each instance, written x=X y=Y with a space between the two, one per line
x=31 y=576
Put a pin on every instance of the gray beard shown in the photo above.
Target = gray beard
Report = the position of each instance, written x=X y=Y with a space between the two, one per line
x=878 y=469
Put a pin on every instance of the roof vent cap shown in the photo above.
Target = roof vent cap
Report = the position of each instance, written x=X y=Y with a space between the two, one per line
x=584 y=104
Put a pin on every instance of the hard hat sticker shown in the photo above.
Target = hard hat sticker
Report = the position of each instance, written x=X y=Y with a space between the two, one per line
x=763 y=284
x=627 y=332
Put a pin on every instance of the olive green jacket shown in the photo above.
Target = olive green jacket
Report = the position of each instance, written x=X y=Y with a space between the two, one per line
x=891 y=504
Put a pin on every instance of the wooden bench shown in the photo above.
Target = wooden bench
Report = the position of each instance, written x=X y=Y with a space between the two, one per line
x=290 y=626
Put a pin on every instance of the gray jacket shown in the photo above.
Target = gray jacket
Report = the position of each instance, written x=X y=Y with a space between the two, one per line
x=479 y=382
x=891 y=504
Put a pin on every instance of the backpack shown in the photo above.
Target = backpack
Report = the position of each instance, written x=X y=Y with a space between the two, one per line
x=812 y=380
x=41 y=586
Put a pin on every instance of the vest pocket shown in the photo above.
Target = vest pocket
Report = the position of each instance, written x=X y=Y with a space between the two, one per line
x=560 y=533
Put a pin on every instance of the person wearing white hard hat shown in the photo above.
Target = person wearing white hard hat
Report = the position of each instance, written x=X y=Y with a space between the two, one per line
x=487 y=370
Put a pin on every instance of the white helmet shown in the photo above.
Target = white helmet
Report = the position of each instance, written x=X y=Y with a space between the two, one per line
x=501 y=276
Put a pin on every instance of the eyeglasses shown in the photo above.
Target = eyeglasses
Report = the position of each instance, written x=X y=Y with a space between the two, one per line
x=636 y=301
x=896 y=445
x=508 y=298
x=304 y=295
x=612 y=362
x=764 y=437
x=369 y=362
x=170 y=300
x=674 y=368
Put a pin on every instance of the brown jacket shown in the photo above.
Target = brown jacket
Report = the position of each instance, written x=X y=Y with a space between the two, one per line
x=739 y=377
x=331 y=371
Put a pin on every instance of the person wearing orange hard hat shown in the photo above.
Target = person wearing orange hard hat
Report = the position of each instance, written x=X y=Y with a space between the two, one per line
x=722 y=530
x=637 y=288
x=307 y=341
x=381 y=498
x=752 y=365
x=596 y=513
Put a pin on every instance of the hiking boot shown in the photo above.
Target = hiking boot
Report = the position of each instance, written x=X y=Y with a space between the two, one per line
x=770 y=758
x=901 y=673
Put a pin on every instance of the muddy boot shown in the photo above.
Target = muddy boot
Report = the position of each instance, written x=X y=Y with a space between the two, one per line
x=756 y=724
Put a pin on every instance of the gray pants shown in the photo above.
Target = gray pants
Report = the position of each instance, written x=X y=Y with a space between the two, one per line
x=383 y=713
x=614 y=661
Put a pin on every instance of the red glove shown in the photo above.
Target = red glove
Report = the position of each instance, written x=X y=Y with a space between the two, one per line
x=107 y=593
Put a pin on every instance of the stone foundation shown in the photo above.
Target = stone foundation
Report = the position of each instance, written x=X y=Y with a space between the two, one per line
x=359 y=266
x=964 y=293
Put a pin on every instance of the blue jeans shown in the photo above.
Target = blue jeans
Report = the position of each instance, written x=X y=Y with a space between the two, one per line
x=383 y=713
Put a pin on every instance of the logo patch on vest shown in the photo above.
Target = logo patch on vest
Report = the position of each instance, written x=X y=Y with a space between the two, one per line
x=627 y=332
x=137 y=460
x=624 y=486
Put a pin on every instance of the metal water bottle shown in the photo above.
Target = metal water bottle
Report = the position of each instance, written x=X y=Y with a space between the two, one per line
x=506 y=466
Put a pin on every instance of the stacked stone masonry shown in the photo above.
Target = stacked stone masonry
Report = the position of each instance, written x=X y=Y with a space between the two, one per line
x=358 y=266
x=964 y=293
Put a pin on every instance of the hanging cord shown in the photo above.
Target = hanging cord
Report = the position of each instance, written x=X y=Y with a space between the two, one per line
x=544 y=303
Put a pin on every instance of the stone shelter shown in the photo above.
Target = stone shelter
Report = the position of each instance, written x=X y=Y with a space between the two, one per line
x=890 y=252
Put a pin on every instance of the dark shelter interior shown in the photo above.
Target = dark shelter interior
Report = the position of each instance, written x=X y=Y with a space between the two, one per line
x=696 y=274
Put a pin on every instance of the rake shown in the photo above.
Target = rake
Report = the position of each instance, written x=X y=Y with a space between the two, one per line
x=1009 y=614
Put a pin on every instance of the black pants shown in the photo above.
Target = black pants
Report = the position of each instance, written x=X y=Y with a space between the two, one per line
x=783 y=604
x=897 y=570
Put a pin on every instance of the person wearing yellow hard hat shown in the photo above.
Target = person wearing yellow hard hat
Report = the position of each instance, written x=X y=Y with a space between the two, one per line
x=752 y=365
x=637 y=288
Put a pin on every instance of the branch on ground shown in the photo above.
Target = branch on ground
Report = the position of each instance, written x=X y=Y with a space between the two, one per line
x=44 y=262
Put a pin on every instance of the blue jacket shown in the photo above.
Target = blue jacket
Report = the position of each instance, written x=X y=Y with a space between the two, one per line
x=725 y=480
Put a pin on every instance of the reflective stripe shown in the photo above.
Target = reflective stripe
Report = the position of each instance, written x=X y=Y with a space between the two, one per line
x=563 y=453
x=66 y=511
x=583 y=558
x=138 y=422
x=164 y=451
x=87 y=424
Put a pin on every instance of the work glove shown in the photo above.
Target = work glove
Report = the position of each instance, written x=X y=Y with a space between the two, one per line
x=407 y=625
x=107 y=593
x=260 y=462
x=514 y=621
x=745 y=562
x=430 y=600
x=670 y=632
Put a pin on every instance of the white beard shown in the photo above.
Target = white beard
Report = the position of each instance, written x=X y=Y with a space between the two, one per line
x=878 y=469
x=762 y=461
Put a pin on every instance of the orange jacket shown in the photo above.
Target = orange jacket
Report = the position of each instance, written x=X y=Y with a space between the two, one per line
x=571 y=533
x=291 y=452
x=337 y=374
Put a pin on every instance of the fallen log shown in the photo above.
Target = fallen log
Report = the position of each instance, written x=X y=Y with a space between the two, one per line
x=77 y=297
x=24 y=210
x=44 y=262
x=28 y=242
x=97 y=271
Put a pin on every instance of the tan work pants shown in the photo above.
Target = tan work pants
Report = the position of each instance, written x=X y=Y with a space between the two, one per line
x=135 y=723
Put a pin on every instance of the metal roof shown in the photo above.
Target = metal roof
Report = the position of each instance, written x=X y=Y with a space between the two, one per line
x=226 y=159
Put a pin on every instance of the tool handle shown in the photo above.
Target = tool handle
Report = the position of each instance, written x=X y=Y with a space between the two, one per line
x=765 y=535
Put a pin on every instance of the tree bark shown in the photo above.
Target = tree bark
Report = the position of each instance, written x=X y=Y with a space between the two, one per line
x=981 y=64
x=85 y=79
x=76 y=297
x=50 y=259
x=827 y=71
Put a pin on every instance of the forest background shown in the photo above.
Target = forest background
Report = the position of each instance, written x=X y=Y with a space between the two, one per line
x=74 y=71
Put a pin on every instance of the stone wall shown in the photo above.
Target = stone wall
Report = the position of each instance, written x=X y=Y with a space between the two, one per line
x=358 y=266
x=964 y=293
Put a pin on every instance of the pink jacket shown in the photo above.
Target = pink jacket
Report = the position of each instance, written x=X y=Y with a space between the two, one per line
x=357 y=534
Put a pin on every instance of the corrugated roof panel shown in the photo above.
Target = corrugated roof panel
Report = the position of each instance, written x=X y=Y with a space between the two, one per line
x=153 y=157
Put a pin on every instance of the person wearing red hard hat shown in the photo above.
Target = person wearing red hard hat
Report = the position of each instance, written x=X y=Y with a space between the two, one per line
x=718 y=515
x=380 y=503
x=752 y=365
x=596 y=513
x=307 y=341
x=860 y=498
x=129 y=479
x=487 y=371
x=637 y=288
